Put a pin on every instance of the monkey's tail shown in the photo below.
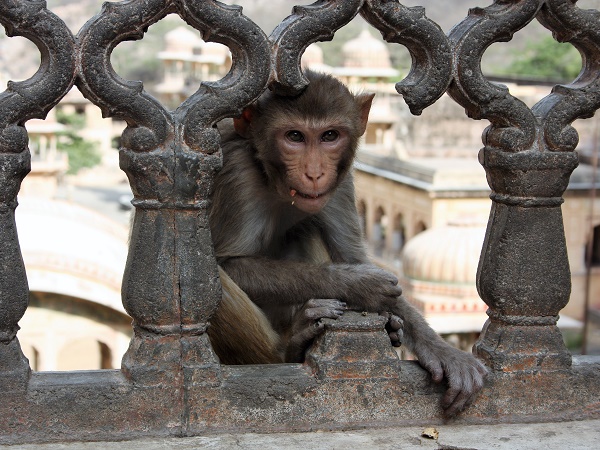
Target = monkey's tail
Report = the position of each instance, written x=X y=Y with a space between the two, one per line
x=239 y=332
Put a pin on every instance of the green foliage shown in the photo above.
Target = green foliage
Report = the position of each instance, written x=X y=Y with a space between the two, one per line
x=573 y=340
x=137 y=60
x=546 y=59
x=82 y=153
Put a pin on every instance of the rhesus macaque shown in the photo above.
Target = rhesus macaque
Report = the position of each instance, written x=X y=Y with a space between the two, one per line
x=288 y=240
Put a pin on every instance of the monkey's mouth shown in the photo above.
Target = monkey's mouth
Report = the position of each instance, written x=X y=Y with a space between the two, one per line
x=294 y=192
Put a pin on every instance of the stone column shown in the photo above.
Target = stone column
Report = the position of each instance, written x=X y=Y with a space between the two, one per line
x=22 y=101
x=523 y=274
x=14 y=291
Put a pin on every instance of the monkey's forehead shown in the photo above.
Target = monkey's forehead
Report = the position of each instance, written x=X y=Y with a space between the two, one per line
x=314 y=123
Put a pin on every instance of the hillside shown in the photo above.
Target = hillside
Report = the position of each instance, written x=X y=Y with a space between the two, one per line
x=136 y=60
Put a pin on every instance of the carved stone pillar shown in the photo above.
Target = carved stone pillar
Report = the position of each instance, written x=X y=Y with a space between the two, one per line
x=523 y=274
x=354 y=346
x=21 y=102
x=171 y=286
x=14 y=292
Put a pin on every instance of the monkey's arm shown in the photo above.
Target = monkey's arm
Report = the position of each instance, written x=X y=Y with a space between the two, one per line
x=465 y=374
x=277 y=282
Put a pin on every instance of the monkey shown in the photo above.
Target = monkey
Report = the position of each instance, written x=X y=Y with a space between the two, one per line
x=288 y=241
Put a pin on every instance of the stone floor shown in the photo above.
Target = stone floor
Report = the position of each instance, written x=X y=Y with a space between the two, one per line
x=579 y=435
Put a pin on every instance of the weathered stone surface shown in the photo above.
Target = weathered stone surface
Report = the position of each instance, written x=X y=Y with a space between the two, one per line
x=171 y=383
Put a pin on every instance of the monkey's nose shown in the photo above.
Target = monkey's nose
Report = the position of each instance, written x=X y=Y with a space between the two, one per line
x=314 y=176
x=314 y=179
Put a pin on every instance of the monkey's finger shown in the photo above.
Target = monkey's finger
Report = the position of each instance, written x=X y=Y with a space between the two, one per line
x=391 y=290
x=303 y=338
x=395 y=322
x=433 y=366
x=394 y=328
x=327 y=302
x=323 y=313
x=457 y=404
x=395 y=339
x=463 y=389
x=390 y=277
x=482 y=370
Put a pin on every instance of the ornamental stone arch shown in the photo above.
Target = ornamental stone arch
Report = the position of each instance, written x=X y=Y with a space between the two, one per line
x=170 y=377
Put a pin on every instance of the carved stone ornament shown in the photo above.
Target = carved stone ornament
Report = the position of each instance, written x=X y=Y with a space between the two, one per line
x=32 y=98
x=171 y=383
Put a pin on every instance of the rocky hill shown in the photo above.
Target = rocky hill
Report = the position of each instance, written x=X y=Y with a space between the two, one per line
x=19 y=58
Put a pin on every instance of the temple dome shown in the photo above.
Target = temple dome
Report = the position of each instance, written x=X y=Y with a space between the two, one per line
x=448 y=254
x=212 y=49
x=181 y=40
x=366 y=51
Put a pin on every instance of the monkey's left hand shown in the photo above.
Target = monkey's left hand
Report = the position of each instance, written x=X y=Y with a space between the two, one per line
x=465 y=374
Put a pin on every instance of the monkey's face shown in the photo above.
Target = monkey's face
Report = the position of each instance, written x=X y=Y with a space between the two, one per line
x=312 y=155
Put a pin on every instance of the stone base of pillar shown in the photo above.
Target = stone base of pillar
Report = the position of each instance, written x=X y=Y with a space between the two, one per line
x=516 y=348
x=354 y=346
x=14 y=367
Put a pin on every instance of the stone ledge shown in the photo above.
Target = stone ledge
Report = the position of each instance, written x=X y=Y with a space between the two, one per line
x=574 y=435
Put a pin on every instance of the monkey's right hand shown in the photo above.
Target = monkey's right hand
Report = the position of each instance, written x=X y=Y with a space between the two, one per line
x=307 y=325
x=368 y=288
x=395 y=328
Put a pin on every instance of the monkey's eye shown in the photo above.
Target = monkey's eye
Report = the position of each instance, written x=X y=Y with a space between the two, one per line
x=294 y=136
x=330 y=135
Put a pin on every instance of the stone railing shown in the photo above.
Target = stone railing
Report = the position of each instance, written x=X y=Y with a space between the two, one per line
x=171 y=382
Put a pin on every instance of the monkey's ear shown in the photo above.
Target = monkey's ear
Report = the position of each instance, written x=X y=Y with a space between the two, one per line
x=242 y=124
x=364 y=102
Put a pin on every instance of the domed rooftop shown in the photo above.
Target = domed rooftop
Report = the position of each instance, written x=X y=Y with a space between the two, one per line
x=72 y=250
x=448 y=254
x=212 y=49
x=181 y=40
x=366 y=51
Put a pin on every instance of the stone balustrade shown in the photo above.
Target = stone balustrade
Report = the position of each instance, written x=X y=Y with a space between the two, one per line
x=171 y=383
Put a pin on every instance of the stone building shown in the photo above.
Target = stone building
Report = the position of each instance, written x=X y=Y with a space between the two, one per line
x=106 y=133
x=400 y=197
x=187 y=60
x=417 y=173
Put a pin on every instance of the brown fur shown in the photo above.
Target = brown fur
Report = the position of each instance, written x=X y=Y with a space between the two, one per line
x=253 y=343
x=290 y=259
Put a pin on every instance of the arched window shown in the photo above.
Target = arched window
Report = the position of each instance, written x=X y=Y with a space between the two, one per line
x=595 y=257
x=398 y=235
x=85 y=354
x=32 y=354
x=105 y=356
x=420 y=227
x=379 y=232
x=362 y=217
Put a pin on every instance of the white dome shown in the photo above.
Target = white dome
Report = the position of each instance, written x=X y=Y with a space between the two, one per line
x=181 y=40
x=71 y=250
x=366 y=51
x=448 y=254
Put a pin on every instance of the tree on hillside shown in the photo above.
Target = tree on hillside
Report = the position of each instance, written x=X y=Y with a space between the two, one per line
x=545 y=59
x=82 y=153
